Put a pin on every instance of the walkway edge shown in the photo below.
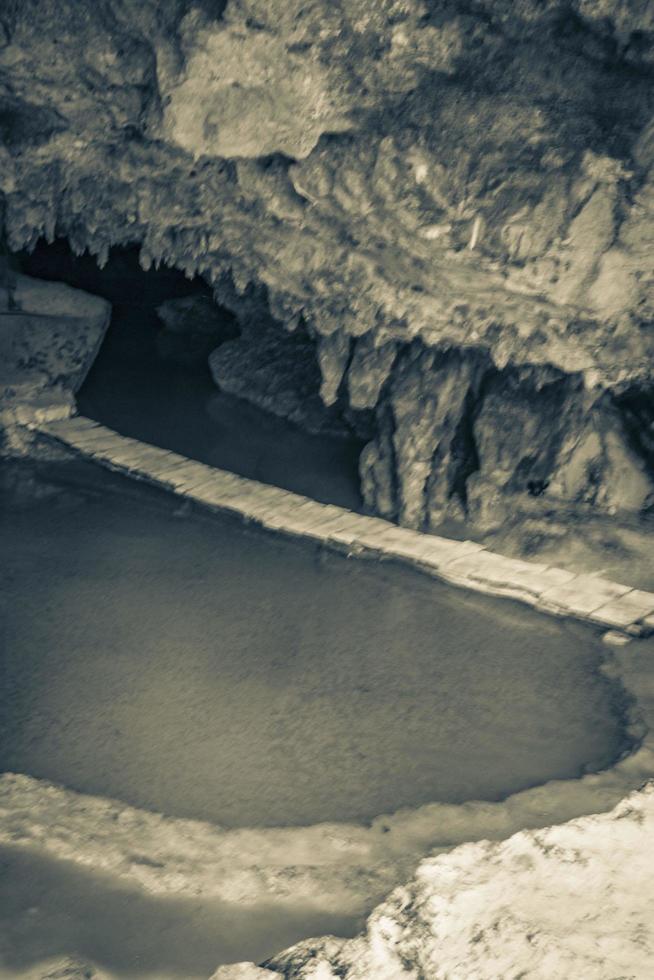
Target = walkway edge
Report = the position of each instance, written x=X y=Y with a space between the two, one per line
x=462 y=563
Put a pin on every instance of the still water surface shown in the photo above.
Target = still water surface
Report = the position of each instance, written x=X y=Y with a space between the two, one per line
x=183 y=663
x=175 y=404
x=52 y=908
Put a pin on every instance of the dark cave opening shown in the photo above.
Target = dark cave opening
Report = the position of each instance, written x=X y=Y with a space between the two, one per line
x=151 y=379
x=636 y=406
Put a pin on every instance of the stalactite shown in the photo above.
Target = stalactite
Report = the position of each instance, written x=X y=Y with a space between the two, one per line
x=508 y=228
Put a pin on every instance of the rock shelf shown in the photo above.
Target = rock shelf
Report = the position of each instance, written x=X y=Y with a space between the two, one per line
x=462 y=563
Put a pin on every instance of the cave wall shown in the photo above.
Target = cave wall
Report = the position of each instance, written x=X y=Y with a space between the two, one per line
x=459 y=439
x=454 y=200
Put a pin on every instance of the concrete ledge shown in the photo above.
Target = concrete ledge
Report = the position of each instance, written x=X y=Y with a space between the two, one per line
x=462 y=563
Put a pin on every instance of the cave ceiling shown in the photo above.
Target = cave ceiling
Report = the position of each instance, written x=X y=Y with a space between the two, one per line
x=476 y=174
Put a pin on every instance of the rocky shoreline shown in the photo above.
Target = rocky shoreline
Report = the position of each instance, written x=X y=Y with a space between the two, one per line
x=337 y=867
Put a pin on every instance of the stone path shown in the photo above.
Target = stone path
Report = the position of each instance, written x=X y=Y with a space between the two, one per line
x=463 y=563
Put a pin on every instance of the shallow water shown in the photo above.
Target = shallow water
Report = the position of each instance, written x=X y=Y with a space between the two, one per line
x=50 y=908
x=186 y=664
x=180 y=409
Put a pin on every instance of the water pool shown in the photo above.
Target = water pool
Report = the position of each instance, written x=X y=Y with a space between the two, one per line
x=177 y=406
x=184 y=663
x=50 y=908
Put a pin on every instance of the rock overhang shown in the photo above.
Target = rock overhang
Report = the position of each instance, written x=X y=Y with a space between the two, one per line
x=392 y=174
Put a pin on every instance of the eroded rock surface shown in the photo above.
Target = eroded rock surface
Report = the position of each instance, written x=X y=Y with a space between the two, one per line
x=570 y=901
x=49 y=336
x=279 y=371
x=454 y=201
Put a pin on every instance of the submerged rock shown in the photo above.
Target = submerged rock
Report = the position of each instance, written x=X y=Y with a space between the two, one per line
x=66 y=968
x=49 y=336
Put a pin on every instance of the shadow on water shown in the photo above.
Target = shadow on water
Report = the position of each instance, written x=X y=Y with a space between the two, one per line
x=132 y=389
x=50 y=907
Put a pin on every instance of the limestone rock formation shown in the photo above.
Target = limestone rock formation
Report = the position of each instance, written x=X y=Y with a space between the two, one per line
x=279 y=371
x=453 y=200
x=570 y=901
x=49 y=336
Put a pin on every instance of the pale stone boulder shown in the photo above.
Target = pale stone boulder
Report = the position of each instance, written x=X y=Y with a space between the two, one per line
x=575 y=900
x=50 y=334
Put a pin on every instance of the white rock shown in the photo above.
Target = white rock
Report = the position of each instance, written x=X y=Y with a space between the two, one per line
x=571 y=902
x=242 y=971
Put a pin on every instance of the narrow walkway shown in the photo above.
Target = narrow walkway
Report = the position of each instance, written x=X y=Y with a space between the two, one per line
x=463 y=563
